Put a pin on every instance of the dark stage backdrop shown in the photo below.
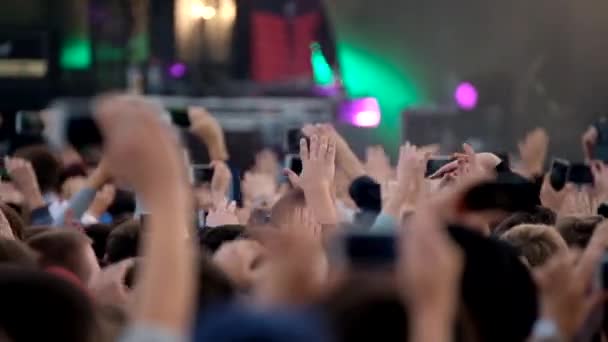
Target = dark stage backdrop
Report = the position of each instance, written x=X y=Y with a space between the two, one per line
x=541 y=62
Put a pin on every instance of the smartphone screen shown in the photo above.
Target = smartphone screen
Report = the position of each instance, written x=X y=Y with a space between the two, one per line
x=580 y=174
x=294 y=163
x=201 y=174
x=28 y=123
x=370 y=250
x=436 y=163
x=180 y=118
x=559 y=173
x=292 y=140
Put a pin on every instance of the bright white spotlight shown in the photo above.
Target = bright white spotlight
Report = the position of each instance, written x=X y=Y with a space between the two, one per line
x=202 y=11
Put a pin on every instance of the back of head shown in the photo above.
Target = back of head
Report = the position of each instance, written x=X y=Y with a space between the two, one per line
x=58 y=310
x=14 y=220
x=498 y=292
x=578 y=230
x=366 y=309
x=123 y=206
x=540 y=215
x=123 y=242
x=16 y=253
x=63 y=248
x=535 y=243
x=31 y=231
x=46 y=166
x=99 y=234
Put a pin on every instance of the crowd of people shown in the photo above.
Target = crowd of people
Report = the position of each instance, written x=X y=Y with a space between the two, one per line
x=130 y=249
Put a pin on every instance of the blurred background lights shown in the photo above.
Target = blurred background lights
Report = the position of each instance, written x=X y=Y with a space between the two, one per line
x=177 y=70
x=199 y=10
x=361 y=112
x=466 y=96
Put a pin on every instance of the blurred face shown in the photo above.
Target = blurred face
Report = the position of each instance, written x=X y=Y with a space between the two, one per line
x=240 y=260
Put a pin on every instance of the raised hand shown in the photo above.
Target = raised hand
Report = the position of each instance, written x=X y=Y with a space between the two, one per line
x=108 y=285
x=410 y=184
x=564 y=292
x=345 y=157
x=209 y=130
x=552 y=198
x=318 y=161
x=139 y=147
x=429 y=269
x=224 y=213
x=24 y=179
x=377 y=164
x=533 y=152
x=141 y=151
x=316 y=180
x=588 y=141
x=220 y=184
x=296 y=266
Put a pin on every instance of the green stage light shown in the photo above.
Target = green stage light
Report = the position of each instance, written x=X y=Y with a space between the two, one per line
x=75 y=54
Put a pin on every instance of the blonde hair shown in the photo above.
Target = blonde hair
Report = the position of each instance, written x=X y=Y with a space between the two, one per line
x=535 y=243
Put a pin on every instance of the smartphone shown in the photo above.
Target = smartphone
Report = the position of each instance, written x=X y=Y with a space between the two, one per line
x=559 y=173
x=509 y=192
x=180 y=117
x=504 y=158
x=436 y=163
x=292 y=140
x=580 y=174
x=201 y=173
x=294 y=163
x=29 y=123
x=369 y=250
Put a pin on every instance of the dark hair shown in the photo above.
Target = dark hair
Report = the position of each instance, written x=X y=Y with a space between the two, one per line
x=123 y=206
x=540 y=215
x=63 y=311
x=498 y=293
x=123 y=242
x=364 y=308
x=72 y=170
x=15 y=252
x=60 y=247
x=214 y=286
x=99 y=234
x=211 y=239
x=14 y=220
x=577 y=231
x=30 y=232
x=46 y=165
x=365 y=192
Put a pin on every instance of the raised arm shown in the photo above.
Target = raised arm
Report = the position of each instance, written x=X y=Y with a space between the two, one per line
x=157 y=173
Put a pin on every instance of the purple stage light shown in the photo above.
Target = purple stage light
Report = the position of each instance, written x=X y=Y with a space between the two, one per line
x=363 y=112
x=177 y=70
x=466 y=96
